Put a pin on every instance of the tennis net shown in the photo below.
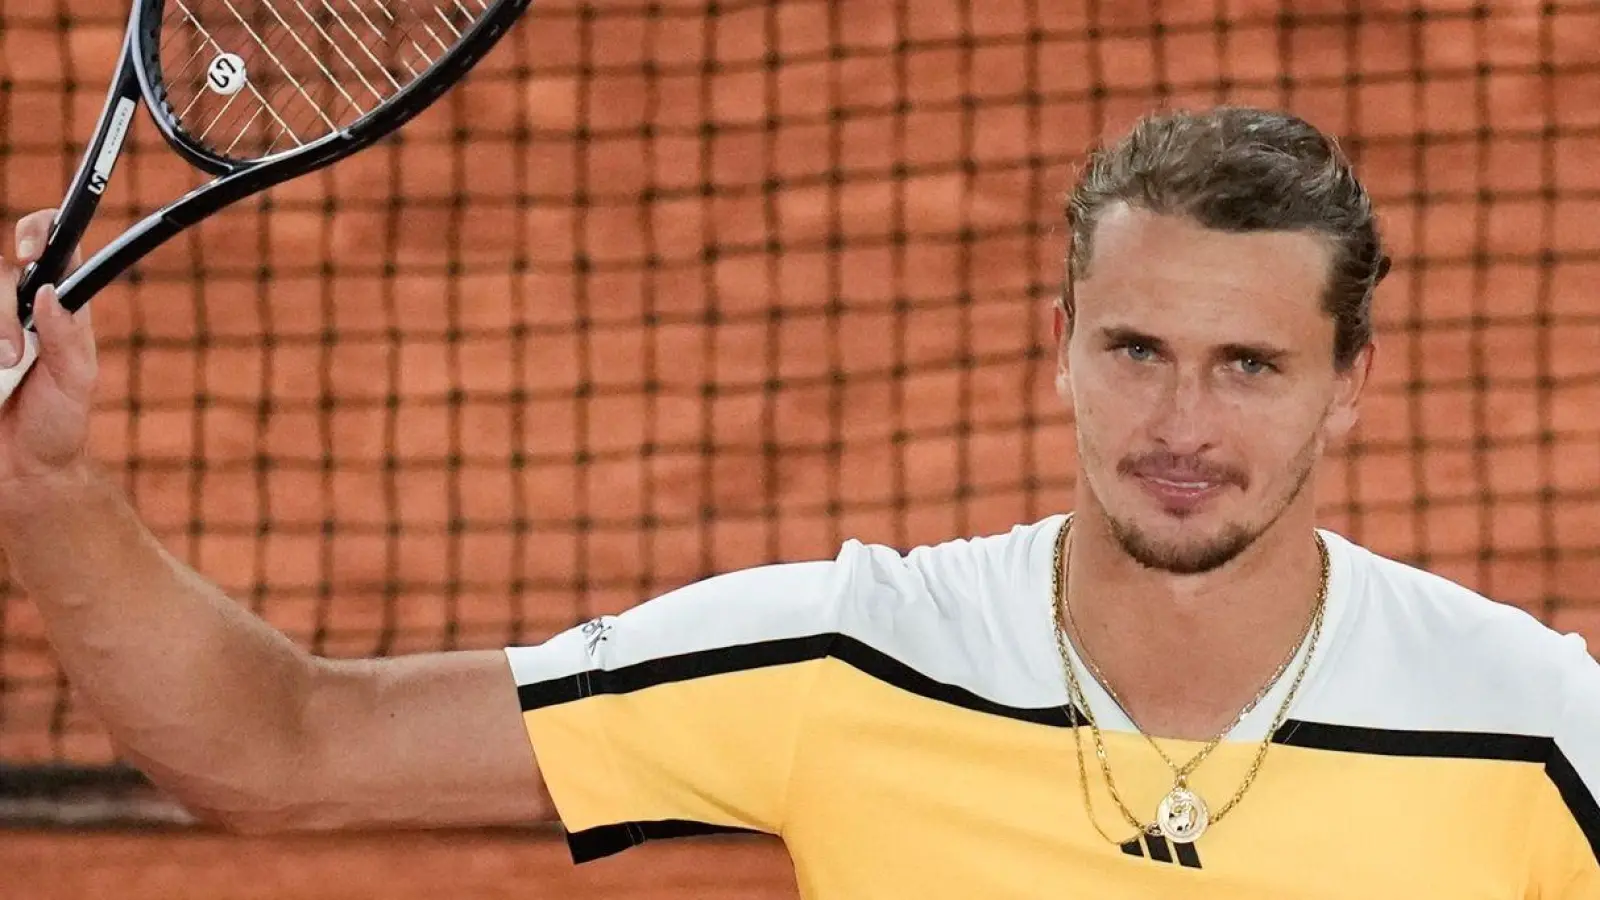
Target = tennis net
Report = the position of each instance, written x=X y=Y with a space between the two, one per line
x=670 y=288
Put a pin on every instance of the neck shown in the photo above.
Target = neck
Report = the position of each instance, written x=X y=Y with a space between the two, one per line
x=1186 y=653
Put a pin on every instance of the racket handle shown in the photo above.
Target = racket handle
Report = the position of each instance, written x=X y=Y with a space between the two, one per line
x=88 y=183
x=47 y=269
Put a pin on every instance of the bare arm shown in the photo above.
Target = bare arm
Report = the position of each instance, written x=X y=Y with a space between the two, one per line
x=235 y=720
x=217 y=707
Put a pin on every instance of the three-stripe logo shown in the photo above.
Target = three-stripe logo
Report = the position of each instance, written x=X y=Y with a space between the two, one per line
x=1157 y=847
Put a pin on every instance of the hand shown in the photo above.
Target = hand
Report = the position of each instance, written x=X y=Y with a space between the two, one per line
x=44 y=425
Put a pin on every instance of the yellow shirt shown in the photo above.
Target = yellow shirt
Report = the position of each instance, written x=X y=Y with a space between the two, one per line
x=901 y=722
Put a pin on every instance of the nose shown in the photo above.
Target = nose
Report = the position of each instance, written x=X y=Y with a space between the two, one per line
x=1185 y=414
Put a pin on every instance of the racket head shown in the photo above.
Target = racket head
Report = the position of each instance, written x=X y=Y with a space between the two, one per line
x=243 y=168
x=244 y=84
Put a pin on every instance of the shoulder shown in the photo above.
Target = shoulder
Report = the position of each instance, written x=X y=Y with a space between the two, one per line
x=971 y=614
x=1447 y=623
x=924 y=606
x=1447 y=671
x=957 y=571
x=1422 y=651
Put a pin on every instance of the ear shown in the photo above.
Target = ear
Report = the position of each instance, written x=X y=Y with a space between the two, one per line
x=1344 y=411
x=1063 y=375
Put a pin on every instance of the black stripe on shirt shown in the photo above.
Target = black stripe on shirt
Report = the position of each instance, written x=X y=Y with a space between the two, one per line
x=1398 y=742
x=606 y=840
x=722 y=660
x=1577 y=795
x=669 y=669
x=1160 y=850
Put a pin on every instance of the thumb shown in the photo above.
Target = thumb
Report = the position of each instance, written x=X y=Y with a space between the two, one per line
x=11 y=377
x=66 y=344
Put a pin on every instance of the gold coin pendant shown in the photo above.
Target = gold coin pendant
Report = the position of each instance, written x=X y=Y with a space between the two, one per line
x=1182 y=816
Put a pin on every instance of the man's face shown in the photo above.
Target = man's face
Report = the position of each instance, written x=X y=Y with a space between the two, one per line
x=1200 y=368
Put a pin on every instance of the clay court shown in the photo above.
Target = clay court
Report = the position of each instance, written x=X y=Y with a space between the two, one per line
x=671 y=288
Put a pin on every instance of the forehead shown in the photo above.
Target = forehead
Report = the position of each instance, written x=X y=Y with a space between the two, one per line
x=1146 y=267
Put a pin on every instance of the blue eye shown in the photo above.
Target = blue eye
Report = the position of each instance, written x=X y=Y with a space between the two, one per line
x=1251 y=366
x=1139 y=352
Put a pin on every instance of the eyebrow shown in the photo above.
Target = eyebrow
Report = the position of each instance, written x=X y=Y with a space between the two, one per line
x=1120 y=334
x=1261 y=352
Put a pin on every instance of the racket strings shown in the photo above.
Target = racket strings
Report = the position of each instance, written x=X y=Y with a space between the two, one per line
x=248 y=78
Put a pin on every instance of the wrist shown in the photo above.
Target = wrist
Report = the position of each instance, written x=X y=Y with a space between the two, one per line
x=26 y=494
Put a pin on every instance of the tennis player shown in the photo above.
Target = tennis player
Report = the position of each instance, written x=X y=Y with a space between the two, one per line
x=1183 y=688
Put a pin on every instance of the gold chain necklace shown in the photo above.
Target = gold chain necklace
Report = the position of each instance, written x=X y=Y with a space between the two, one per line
x=1181 y=773
x=1182 y=815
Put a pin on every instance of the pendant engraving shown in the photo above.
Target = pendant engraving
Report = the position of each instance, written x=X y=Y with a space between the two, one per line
x=1182 y=816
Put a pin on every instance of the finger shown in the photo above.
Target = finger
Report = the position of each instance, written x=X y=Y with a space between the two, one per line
x=12 y=377
x=17 y=358
x=33 y=230
x=10 y=327
x=66 y=344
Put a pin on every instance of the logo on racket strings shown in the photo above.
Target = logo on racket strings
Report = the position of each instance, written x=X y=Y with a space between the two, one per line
x=226 y=75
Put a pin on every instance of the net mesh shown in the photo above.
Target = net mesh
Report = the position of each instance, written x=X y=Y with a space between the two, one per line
x=670 y=288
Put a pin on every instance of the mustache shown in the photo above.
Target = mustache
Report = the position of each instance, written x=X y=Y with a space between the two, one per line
x=1172 y=467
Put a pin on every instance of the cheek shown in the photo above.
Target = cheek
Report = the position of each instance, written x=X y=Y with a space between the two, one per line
x=1114 y=396
x=1107 y=418
x=1278 y=443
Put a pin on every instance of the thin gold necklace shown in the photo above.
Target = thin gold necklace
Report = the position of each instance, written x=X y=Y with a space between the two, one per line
x=1182 y=815
x=1182 y=772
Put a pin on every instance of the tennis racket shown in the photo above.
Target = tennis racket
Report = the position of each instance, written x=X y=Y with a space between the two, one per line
x=254 y=93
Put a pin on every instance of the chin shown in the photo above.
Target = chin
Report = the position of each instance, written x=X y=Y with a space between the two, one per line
x=1182 y=548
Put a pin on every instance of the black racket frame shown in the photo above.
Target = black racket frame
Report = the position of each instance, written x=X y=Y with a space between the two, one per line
x=138 y=78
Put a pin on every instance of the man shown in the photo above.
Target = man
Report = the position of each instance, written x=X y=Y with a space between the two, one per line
x=1184 y=689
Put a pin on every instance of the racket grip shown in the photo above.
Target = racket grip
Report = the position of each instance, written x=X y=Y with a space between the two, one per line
x=47 y=269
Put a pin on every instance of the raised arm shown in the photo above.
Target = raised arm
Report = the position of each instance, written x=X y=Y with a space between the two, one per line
x=239 y=724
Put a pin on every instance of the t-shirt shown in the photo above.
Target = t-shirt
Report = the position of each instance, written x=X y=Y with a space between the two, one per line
x=901 y=722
